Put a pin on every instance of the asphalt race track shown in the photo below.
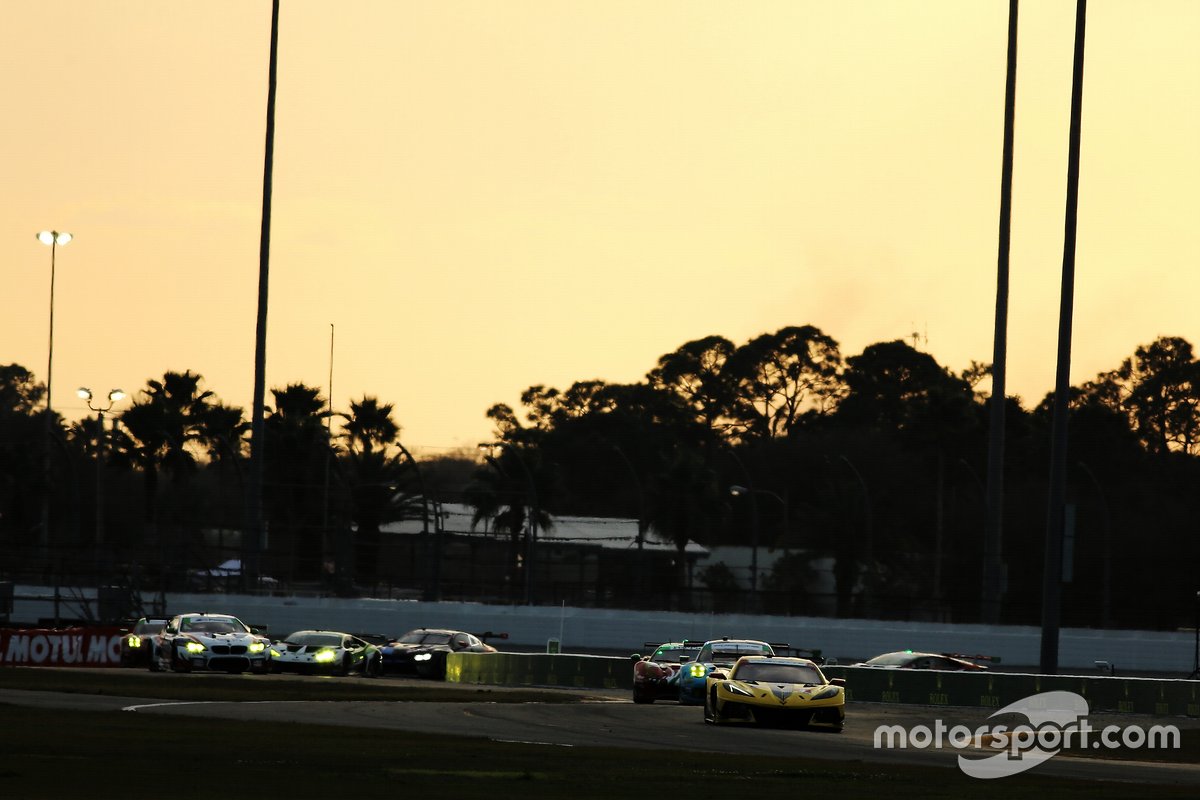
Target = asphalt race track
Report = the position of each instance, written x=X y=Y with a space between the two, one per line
x=610 y=719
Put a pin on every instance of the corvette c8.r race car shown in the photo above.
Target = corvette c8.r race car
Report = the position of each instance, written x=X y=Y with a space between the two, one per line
x=775 y=691
x=209 y=641
x=713 y=654
x=656 y=676
x=326 y=652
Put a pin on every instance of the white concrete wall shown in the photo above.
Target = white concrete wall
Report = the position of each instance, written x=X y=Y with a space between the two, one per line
x=586 y=629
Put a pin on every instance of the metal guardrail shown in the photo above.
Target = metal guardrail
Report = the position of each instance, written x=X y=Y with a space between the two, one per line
x=995 y=690
x=988 y=690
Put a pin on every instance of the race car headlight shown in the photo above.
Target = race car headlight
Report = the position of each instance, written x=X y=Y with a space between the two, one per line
x=733 y=688
x=256 y=647
x=275 y=654
x=697 y=670
x=194 y=647
x=826 y=693
x=422 y=656
x=134 y=641
x=324 y=656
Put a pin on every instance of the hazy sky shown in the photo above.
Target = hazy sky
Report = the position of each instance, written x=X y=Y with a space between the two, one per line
x=483 y=196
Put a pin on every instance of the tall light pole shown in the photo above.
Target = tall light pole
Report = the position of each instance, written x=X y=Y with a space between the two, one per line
x=1196 y=669
x=754 y=511
x=1056 y=511
x=325 y=547
x=114 y=395
x=643 y=521
x=53 y=239
x=994 y=580
x=254 y=505
x=739 y=491
x=868 y=552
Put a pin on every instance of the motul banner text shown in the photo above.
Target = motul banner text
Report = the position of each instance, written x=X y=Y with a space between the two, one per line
x=65 y=647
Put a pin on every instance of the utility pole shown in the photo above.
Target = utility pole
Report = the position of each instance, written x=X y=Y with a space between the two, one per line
x=254 y=505
x=1056 y=515
x=993 y=533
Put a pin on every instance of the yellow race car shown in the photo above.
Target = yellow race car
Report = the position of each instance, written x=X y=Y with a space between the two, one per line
x=773 y=690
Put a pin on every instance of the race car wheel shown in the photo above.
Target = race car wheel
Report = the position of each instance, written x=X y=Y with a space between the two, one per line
x=642 y=699
x=710 y=708
x=374 y=667
x=154 y=665
x=344 y=668
x=179 y=664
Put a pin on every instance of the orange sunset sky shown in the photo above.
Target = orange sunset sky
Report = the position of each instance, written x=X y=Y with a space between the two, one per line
x=482 y=196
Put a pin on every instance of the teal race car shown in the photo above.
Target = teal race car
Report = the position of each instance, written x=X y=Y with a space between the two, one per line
x=716 y=653
x=656 y=676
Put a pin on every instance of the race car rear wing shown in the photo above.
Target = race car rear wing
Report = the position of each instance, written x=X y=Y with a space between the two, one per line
x=373 y=638
x=684 y=643
x=992 y=659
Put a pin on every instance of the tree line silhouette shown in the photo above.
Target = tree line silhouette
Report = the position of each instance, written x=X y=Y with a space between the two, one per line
x=870 y=463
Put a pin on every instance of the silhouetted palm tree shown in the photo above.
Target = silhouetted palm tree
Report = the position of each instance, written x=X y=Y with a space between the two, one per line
x=380 y=486
x=298 y=449
x=168 y=429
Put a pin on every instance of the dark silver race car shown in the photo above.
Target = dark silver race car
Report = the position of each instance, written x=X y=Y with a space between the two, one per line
x=423 y=651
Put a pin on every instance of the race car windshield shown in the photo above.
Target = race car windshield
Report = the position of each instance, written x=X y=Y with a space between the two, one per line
x=777 y=673
x=213 y=626
x=674 y=655
x=729 y=653
x=316 y=640
x=423 y=637
x=890 y=660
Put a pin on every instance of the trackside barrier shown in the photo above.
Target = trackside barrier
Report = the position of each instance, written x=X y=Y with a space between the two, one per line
x=540 y=669
x=60 y=647
x=998 y=689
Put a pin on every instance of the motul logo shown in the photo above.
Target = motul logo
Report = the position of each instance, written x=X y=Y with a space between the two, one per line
x=73 y=647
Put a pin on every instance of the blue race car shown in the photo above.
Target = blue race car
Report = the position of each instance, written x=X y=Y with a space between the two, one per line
x=693 y=677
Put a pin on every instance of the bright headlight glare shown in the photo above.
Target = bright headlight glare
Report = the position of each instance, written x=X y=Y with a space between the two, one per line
x=325 y=656
x=422 y=657
x=135 y=641
x=195 y=647
x=697 y=670
x=257 y=647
